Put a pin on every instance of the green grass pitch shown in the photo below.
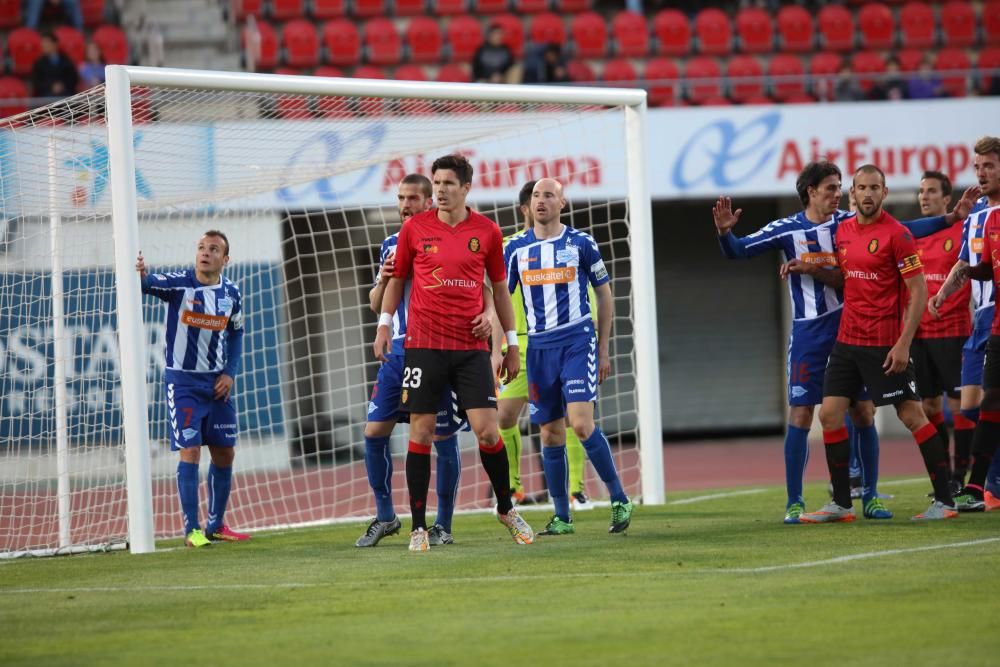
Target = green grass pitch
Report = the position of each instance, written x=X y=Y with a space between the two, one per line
x=715 y=582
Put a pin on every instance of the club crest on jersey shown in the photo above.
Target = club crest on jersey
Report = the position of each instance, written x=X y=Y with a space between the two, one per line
x=474 y=244
x=948 y=245
x=570 y=255
x=224 y=304
x=873 y=246
x=430 y=249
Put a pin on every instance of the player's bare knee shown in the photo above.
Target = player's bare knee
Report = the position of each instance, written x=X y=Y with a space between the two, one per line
x=222 y=457
x=831 y=420
x=584 y=428
x=911 y=413
x=191 y=455
x=862 y=414
x=378 y=429
x=553 y=434
x=801 y=416
x=507 y=418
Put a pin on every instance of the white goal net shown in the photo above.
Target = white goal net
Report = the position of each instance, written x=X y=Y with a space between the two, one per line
x=301 y=175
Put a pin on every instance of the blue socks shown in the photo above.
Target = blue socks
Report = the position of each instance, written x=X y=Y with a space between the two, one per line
x=187 y=490
x=220 y=481
x=378 y=462
x=599 y=452
x=867 y=439
x=449 y=471
x=796 y=457
x=557 y=477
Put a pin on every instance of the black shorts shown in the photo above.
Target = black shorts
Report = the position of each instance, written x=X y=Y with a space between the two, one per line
x=852 y=367
x=427 y=372
x=938 y=362
x=991 y=367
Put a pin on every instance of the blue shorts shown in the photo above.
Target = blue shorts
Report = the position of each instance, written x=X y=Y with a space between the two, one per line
x=196 y=417
x=973 y=357
x=384 y=403
x=809 y=346
x=559 y=375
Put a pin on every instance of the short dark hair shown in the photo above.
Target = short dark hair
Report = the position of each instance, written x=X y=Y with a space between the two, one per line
x=869 y=169
x=812 y=175
x=457 y=163
x=524 y=196
x=422 y=181
x=216 y=232
x=940 y=178
x=51 y=36
x=987 y=145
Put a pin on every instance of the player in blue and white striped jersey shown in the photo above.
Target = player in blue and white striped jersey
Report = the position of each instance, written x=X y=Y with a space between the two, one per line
x=553 y=264
x=806 y=240
x=204 y=345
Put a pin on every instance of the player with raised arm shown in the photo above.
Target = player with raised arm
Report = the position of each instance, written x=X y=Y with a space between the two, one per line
x=876 y=253
x=806 y=240
x=985 y=423
x=937 y=346
x=567 y=359
x=414 y=196
x=204 y=344
x=514 y=395
x=446 y=251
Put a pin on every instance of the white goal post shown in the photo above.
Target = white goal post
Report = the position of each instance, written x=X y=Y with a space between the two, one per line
x=478 y=115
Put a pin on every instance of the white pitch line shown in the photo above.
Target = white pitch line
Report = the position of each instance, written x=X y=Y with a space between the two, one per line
x=715 y=496
x=900 y=482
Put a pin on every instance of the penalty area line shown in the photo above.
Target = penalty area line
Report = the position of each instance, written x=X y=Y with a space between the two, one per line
x=715 y=496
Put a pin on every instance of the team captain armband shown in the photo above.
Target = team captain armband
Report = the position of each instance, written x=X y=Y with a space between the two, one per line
x=910 y=264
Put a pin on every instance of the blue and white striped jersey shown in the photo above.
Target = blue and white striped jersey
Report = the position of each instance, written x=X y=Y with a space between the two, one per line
x=554 y=274
x=972 y=246
x=204 y=322
x=399 y=319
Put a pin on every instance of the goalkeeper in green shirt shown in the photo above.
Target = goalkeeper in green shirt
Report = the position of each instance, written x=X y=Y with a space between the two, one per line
x=514 y=395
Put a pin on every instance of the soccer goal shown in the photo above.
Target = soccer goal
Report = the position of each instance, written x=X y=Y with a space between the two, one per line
x=301 y=174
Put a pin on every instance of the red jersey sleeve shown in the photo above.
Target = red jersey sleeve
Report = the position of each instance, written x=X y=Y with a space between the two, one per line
x=905 y=253
x=495 y=268
x=404 y=254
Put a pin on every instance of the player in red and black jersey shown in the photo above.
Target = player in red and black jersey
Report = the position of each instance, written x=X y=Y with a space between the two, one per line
x=880 y=265
x=446 y=252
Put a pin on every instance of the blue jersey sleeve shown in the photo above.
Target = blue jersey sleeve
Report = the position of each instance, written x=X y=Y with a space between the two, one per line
x=594 y=263
x=963 y=254
x=165 y=285
x=922 y=227
x=510 y=261
x=234 y=338
x=766 y=238
x=388 y=247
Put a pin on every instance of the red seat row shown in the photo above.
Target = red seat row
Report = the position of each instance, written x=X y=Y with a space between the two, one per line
x=24 y=46
x=322 y=10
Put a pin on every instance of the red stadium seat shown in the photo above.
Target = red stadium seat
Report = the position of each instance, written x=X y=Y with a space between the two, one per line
x=661 y=75
x=631 y=33
x=454 y=73
x=285 y=10
x=24 y=46
x=245 y=8
x=10 y=15
x=267 y=58
x=369 y=106
x=801 y=99
x=673 y=32
x=755 y=30
x=301 y=43
x=917 y=25
x=410 y=72
x=991 y=22
x=531 y=6
x=760 y=100
x=71 y=42
x=823 y=68
x=13 y=92
x=342 y=42
x=954 y=60
x=909 y=59
x=580 y=71
x=490 y=6
x=877 y=27
x=364 y=9
x=323 y=10
x=787 y=76
x=795 y=27
x=423 y=36
x=958 y=24
x=709 y=84
x=590 y=35
x=836 y=27
x=547 y=28
x=450 y=7
x=745 y=67
x=294 y=107
x=465 y=35
x=867 y=65
x=513 y=31
x=989 y=58
x=368 y=72
x=382 y=43
x=573 y=6
x=328 y=71
x=92 y=11
x=113 y=44
x=714 y=32
x=619 y=70
x=716 y=101
x=410 y=7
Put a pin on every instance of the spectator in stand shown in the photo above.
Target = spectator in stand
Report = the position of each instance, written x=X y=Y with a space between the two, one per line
x=54 y=12
x=925 y=84
x=545 y=64
x=92 y=67
x=846 y=87
x=494 y=60
x=54 y=74
x=890 y=86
